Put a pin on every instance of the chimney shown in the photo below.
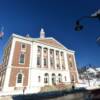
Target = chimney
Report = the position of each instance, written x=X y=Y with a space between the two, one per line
x=42 y=33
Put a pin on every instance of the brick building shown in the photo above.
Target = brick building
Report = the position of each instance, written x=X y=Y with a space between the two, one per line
x=31 y=63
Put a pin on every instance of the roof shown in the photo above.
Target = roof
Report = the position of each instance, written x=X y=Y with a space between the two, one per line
x=98 y=69
x=51 y=42
x=91 y=70
x=48 y=41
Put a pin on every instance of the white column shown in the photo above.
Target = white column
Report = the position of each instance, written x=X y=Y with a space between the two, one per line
x=50 y=79
x=66 y=67
x=34 y=56
x=55 y=62
x=60 y=60
x=76 y=67
x=42 y=60
x=30 y=65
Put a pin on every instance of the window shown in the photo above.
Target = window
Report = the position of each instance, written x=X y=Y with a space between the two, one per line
x=58 y=66
x=57 y=53
x=19 y=78
x=62 y=54
x=51 y=51
x=51 y=61
x=45 y=55
x=53 y=79
x=45 y=62
x=38 y=60
x=22 y=58
x=59 y=78
x=52 y=58
x=39 y=56
x=39 y=49
x=39 y=78
x=45 y=50
x=65 y=78
x=46 y=78
x=23 y=46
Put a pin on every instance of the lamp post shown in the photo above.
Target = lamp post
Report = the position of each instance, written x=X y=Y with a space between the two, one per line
x=79 y=26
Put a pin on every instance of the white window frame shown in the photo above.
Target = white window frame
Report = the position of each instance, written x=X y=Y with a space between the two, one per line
x=24 y=59
x=46 y=78
x=39 y=79
x=19 y=84
x=23 y=49
x=59 y=78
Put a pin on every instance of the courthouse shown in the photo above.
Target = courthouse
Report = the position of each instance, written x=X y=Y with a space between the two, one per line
x=31 y=63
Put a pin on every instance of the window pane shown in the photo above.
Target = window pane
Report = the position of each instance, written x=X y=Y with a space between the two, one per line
x=39 y=78
x=19 y=80
x=39 y=49
x=38 y=60
x=23 y=46
x=45 y=61
x=46 y=78
x=22 y=58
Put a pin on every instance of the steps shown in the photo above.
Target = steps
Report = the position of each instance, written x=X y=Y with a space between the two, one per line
x=6 y=98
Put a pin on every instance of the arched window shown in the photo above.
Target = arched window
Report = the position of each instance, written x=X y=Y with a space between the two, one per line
x=46 y=78
x=19 y=79
x=53 y=78
x=59 y=78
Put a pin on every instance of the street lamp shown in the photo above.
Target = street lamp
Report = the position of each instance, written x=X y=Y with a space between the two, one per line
x=79 y=26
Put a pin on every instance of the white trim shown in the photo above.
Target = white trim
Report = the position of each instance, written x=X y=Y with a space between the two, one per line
x=36 y=40
x=19 y=58
x=19 y=84
x=76 y=68
x=23 y=49
x=8 y=70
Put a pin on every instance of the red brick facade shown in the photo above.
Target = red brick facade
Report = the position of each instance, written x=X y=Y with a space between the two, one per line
x=72 y=69
x=16 y=55
x=14 y=73
x=17 y=67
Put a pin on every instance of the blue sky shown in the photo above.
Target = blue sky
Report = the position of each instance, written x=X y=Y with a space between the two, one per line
x=58 y=18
